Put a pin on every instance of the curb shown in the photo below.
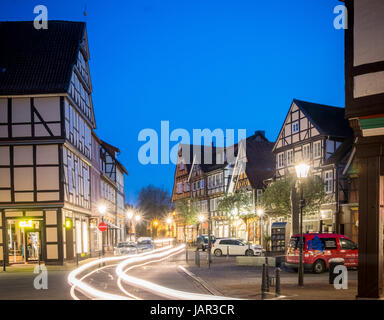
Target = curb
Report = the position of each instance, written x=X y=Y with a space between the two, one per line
x=200 y=281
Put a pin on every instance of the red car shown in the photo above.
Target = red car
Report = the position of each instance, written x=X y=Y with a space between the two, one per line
x=319 y=248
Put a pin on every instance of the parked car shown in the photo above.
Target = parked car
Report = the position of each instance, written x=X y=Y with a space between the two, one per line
x=202 y=242
x=319 y=248
x=235 y=247
x=145 y=244
x=124 y=248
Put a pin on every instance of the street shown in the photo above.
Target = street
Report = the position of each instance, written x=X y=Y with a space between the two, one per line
x=223 y=279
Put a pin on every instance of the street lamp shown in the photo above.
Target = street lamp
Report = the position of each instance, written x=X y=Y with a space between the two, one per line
x=201 y=220
x=169 y=221
x=102 y=209
x=129 y=217
x=302 y=170
x=260 y=213
x=155 y=223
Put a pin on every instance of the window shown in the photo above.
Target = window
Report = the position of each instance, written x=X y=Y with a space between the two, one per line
x=280 y=160
x=295 y=127
x=180 y=187
x=306 y=152
x=329 y=243
x=328 y=179
x=181 y=166
x=186 y=186
x=289 y=157
x=317 y=149
x=347 y=244
x=201 y=184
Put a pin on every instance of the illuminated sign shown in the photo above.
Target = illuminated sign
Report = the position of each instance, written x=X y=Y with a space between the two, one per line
x=25 y=224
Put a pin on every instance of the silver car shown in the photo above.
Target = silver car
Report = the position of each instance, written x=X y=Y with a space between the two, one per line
x=145 y=245
x=124 y=248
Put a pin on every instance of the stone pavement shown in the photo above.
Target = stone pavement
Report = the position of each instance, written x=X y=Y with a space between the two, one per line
x=236 y=281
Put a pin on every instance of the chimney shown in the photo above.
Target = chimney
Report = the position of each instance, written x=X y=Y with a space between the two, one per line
x=260 y=132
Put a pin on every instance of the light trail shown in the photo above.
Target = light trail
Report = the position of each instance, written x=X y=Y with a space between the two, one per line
x=130 y=262
x=91 y=291
x=157 y=289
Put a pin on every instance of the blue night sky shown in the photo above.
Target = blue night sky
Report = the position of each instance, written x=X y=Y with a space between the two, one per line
x=232 y=64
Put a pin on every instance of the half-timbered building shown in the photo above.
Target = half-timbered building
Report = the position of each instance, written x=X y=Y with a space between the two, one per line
x=314 y=133
x=259 y=167
x=208 y=179
x=46 y=124
x=364 y=100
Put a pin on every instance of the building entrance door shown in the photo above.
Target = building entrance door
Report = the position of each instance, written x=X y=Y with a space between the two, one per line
x=23 y=240
x=33 y=245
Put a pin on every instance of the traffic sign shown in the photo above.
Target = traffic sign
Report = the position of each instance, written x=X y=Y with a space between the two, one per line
x=102 y=226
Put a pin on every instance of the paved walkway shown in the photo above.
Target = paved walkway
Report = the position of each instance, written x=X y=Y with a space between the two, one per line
x=232 y=280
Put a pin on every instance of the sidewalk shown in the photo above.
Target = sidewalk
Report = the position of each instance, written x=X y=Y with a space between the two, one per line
x=232 y=280
x=16 y=283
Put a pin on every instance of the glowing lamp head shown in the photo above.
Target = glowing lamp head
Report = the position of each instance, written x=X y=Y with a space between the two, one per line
x=129 y=214
x=155 y=223
x=102 y=209
x=302 y=170
x=137 y=218
x=169 y=220
x=201 y=218
x=260 y=212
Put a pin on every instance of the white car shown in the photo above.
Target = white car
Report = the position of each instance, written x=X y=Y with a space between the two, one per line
x=236 y=247
x=124 y=248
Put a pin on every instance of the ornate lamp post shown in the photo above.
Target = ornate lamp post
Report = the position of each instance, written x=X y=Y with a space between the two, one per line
x=155 y=223
x=201 y=220
x=130 y=215
x=260 y=213
x=169 y=221
x=302 y=172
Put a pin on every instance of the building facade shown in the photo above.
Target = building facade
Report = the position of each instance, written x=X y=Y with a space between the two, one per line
x=364 y=100
x=46 y=124
x=319 y=136
x=209 y=178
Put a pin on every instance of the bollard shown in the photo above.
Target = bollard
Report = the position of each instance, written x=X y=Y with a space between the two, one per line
x=186 y=252
x=267 y=274
x=197 y=258
x=263 y=283
x=77 y=259
x=227 y=252
x=277 y=275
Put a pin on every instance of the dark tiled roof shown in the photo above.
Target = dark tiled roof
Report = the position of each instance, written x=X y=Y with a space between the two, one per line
x=206 y=165
x=328 y=120
x=261 y=161
x=38 y=61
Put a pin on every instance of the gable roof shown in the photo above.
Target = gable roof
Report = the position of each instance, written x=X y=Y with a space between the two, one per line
x=260 y=161
x=38 y=61
x=206 y=166
x=328 y=120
